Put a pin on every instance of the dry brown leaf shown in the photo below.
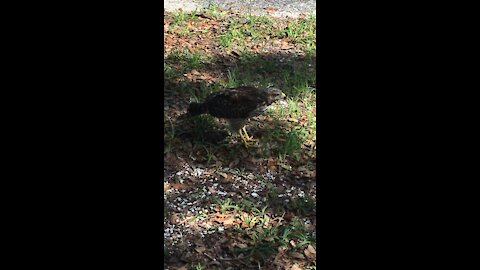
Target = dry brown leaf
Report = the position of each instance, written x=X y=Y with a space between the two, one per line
x=289 y=216
x=234 y=163
x=224 y=175
x=174 y=219
x=166 y=186
x=229 y=220
x=310 y=252
x=270 y=8
x=195 y=72
x=272 y=165
x=286 y=46
x=183 y=267
x=295 y=267
x=241 y=245
x=179 y=186
x=297 y=255
x=292 y=120
x=309 y=227
x=200 y=249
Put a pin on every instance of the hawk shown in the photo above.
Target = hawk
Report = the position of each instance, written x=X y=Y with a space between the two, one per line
x=237 y=105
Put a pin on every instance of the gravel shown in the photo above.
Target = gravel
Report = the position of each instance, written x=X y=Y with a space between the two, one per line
x=276 y=8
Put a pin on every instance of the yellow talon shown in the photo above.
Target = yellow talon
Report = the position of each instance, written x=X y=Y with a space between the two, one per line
x=245 y=138
x=249 y=138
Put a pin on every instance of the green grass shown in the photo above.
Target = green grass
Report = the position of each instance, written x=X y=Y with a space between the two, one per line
x=293 y=144
x=187 y=60
x=199 y=266
x=266 y=238
x=214 y=11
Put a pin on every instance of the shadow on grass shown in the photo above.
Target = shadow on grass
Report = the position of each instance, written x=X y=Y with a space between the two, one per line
x=292 y=73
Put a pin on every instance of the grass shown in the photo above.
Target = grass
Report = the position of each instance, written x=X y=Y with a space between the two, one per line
x=216 y=50
x=266 y=236
x=199 y=266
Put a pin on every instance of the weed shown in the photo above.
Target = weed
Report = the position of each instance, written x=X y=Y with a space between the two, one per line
x=210 y=150
x=293 y=143
x=226 y=205
x=213 y=11
x=201 y=124
x=303 y=205
x=199 y=266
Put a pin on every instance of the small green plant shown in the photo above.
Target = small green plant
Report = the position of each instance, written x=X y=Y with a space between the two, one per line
x=199 y=266
x=293 y=143
x=210 y=150
x=201 y=124
x=181 y=17
x=214 y=11
x=303 y=205
x=185 y=59
x=233 y=78
x=226 y=205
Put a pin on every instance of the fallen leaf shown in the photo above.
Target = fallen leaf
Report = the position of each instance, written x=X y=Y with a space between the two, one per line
x=296 y=255
x=289 y=216
x=179 y=186
x=234 y=163
x=270 y=8
x=286 y=46
x=292 y=120
x=310 y=252
x=295 y=267
x=174 y=219
x=224 y=175
x=200 y=249
x=229 y=220
x=166 y=186
x=241 y=245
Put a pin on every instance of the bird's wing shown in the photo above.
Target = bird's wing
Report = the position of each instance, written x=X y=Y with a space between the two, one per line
x=234 y=103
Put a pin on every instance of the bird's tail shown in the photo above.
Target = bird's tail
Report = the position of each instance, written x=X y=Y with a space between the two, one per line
x=196 y=109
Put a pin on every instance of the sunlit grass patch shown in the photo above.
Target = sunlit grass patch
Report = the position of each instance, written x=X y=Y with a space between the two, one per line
x=214 y=11
x=187 y=59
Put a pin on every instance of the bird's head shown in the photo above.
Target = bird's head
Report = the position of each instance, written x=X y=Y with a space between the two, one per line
x=274 y=94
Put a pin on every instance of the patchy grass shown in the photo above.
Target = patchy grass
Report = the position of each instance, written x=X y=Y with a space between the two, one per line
x=228 y=207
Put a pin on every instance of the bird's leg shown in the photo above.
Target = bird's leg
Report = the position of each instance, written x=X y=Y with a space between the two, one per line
x=243 y=138
x=246 y=135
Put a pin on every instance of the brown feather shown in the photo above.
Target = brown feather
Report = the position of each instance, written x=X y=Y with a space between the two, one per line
x=237 y=104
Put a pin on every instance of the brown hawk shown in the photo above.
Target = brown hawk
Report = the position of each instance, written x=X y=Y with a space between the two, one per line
x=237 y=105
